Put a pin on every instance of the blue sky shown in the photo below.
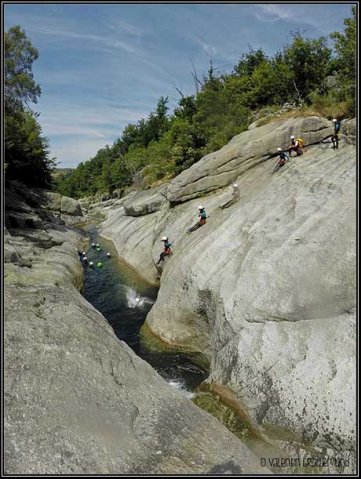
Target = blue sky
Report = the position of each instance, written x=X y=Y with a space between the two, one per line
x=102 y=66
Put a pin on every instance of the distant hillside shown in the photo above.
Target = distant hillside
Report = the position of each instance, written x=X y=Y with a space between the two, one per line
x=61 y=172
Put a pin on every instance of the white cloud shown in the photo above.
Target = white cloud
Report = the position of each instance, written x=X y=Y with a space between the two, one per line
x=272 y=12
x=299 y=14
x=121 y=25
x=124 y=36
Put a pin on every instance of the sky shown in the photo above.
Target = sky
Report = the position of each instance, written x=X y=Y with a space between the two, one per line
x=103 y=66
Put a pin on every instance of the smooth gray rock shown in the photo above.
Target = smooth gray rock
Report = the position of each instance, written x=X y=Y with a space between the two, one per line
x=70 y=206
x=133 y=239
x=266 y=289
x=348 y=132
x=145 y=202
x=54 y=201
x=246 y=150
x=78 y=400
x=65 y=205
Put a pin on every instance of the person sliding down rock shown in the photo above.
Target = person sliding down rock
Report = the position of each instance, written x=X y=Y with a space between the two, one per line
x=283 y=157
x=167 y=251
x=295 y=146
x=202 y=219
x=235 y=197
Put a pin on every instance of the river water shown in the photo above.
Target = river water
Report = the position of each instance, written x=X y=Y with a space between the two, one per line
x=124 y=299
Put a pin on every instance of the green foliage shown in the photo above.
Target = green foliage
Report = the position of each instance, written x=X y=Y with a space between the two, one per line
x=186 y=109
x=20 y=87
x=345 y=62
x=309 y=62
x=26 y=150
x=187 y=142
x=249 y=62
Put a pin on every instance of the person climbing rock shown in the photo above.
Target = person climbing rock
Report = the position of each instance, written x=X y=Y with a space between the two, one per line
x=296 y=146
x=167 y=250
x=235 y=197
x=336 y=133
x=93 y=245
x=283 y=157
x=202 y=219
x=85 y=260
x=109 y=255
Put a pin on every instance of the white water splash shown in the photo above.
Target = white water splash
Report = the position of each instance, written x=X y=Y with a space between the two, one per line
x=179 y=385
x=134 y=300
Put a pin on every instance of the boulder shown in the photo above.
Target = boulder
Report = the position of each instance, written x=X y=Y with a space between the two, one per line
x=145 y=202
x=70 y=206
x=54 y=201
x=348 y=131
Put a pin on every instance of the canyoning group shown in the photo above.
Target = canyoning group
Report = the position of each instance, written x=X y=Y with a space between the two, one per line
x=84 y=258
x=297 y=146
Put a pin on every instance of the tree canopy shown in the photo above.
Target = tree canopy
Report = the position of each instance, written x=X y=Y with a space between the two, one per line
x=26 y=150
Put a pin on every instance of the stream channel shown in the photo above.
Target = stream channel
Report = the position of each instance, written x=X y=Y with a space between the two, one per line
x=124 y=299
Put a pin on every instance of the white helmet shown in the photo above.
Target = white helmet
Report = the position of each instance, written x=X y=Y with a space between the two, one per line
x=292 y=137
x=84 y=253
x=164 y=238
x=334 y=120
x=279 y=149
x=91 y=263
x=235 y=185
x=200 y=207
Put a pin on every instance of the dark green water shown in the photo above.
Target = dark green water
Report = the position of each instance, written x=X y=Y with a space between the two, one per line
x=124 y=300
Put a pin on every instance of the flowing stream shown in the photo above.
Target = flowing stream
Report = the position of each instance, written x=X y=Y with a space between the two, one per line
x=124 y=299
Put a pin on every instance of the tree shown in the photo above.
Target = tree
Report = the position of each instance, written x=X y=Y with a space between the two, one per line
x=345 y=63
x=26 y=150
x=187 y=108
x=309 y=61
x=20 y=87
x=249 y=62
